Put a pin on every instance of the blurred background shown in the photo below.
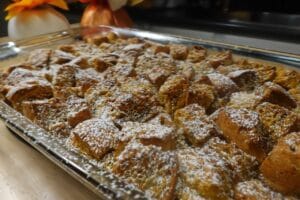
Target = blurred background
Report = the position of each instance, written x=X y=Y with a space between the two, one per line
x=225 y=20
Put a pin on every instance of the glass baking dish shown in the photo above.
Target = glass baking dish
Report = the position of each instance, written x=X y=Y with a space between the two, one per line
x=103 y=183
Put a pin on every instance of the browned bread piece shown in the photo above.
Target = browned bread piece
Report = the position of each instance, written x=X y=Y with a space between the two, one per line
x=220 y=58
x=265 y=72
x=226 y=69
x=150 y=169
x=109 y=59
x=274 y=93
x=187 y=69
x=86 y=78
x=255 y=189
x=147 y=134
x=173 y=94
x=60 y=57
x=287 y=78
x=223 y=85
x=94 y=137
x=281 y=167
x=39 y=58
x=69 y=48
x=162 y=118
x=78 y=110
x=136 y=100
x=245 y=166
x=245 y=79
x=277 y=121
x=65 y=92
x=196 y=54
x=179 y=52
x=80 y=61
x=159 y=48
x=206 y=172
x=98 y=64
x=96 y=39
x=146 y=62
x=17 y=94
x=201 y=94
x=63 y=75
x=196 y=126
x=159 y=74
x=243 y=127
x=21 y=75
x=18 y=66
x=295 y=92
x=49 y=114
x=247 y=100
x=183 y=192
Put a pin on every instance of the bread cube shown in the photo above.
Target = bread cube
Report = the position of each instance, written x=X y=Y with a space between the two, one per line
x=281 y=167
x=148 y=134
x=243 y=127
x=49 y=114
x=287 y=78
x=196 y=54
x=39 y=58
x=245 y=79
x=196 y=126
x=173 y=94
x=220 y=58
x=274 y=93
x=277 y=121
x=254 y=190
x=78 y=110
x=149 y=169
x=94 y=137
x=179 y=52
x=201 y=94
x=17 y=94
x=63 y=75
x=223 y=84
x=206 y=172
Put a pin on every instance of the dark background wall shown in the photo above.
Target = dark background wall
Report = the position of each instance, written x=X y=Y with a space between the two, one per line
x=3 y=24
x=249 y=15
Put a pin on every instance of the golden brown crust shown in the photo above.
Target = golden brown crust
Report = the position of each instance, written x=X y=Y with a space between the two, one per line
x=149 y=168
x=245 y=79
x=201 y=94
x=277 y=121
x=281 y=167
x=243 y=127
x=287 y=78
x=206 y=172
x=94 y=137
x=274 y=93
x=196 y=126
x=39 y=58
x=221 y=58
x=196 y=54
x=17 y=94
x=49 y=114
x=173 y=94
x=179 y=52
x=254 y=190
x=78 y=110
x=222 y=84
